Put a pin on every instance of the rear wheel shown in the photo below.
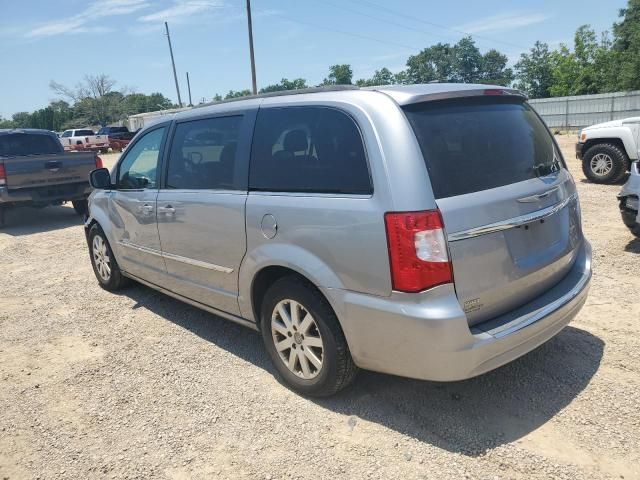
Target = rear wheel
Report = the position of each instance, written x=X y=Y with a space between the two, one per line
x=605 y=163
x=80 y=206
x=304 y=340
x=103 y=262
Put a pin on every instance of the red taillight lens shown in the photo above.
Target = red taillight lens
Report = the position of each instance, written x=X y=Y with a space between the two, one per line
x=417 y=250
x=99 y=163
x=3 y=174
x=494 y=91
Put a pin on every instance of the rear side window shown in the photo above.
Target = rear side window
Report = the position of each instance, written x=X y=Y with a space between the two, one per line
x=308 y=149
x=84 y=133
x=476 y=144
x=203 y=154
x=15 y=144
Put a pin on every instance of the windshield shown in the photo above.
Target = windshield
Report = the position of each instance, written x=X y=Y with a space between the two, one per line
x=16 y=144
x=475 y=144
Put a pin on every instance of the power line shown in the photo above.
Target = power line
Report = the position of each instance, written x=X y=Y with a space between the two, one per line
x=379 y=19
x=433 y=24
x=350 y=34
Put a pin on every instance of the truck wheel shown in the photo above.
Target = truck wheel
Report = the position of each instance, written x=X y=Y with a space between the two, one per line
x=304 y=340
x=80 y=206
x=103 y=262
x=2 y=208
x=605 y=163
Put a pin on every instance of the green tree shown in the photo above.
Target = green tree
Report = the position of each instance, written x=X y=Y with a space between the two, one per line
x=466 y=62
x=285 y=84
x=434 y=63
x=21 y=119
x=494 y=69
x=384 y=76
x=535 y=71
x=339 y=75
x=237 y=94
x=626 y=47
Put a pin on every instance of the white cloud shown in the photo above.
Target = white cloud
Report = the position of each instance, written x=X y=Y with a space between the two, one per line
x=182 y=9
x=503 y=22
x=77 y=23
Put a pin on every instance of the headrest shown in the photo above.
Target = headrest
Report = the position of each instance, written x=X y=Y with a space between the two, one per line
x=295 y=141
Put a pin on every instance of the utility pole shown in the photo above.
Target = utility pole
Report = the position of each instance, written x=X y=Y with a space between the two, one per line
x=173 y=63
x=189 y=88
x=253 y=62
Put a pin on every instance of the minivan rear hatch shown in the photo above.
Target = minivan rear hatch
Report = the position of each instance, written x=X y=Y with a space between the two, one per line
x=509 y=206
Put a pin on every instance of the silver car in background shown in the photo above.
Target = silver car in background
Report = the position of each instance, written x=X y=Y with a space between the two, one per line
x=628 y=197
x=429 y=231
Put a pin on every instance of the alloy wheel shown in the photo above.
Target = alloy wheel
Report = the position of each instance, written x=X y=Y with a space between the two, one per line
x=297 y=339
x=101 y=258
x=601 y=164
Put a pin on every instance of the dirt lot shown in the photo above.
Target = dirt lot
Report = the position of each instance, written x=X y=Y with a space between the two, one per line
x=139 y=385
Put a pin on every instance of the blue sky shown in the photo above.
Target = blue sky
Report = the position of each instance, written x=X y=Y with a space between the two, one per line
x=63 y=40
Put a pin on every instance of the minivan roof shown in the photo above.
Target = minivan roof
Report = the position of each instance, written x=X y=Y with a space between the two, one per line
x=401 y=94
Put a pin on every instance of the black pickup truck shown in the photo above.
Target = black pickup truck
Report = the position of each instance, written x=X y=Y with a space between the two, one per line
x=35 y=171
x=119 y=137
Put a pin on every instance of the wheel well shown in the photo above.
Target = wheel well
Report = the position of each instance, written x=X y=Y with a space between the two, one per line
x=599 y=141
x=263 y=280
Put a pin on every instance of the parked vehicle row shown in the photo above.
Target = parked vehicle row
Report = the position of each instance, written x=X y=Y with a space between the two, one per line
x=83 y=140
x=36 y=171
x=118 y=137
x=429 y=231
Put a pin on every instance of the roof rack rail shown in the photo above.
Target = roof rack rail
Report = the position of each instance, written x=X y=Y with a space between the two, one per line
x=282 y=93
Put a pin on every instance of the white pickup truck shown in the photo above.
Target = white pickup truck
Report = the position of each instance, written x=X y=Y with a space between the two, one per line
x=83 y=140
x=608 y=149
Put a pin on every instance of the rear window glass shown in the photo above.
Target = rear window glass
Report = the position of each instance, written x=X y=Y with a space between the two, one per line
x=308 y=149
x=15 y=144
x=476 y=144
x=84 y=133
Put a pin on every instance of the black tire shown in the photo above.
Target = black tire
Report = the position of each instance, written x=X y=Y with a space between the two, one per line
x=337 y=370
x=80 y=206
x=115 y=280
x=2 y=217
x=619 y=165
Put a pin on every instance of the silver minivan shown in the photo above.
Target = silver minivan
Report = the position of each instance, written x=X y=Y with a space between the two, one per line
x=429 y=231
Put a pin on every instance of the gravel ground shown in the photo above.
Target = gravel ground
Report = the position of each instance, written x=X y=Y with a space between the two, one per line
x=138 y=385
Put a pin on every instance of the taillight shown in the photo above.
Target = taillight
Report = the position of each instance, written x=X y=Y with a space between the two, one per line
x=99 y=163
x=3 y=174
x=417 y=250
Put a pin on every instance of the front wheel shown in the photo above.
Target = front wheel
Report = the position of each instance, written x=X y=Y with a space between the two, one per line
x=605 y=163
x=103 y=262
x=304 y=340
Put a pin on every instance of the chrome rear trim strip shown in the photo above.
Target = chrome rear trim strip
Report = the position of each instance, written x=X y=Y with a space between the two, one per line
x=512 y=222
x=177 y=258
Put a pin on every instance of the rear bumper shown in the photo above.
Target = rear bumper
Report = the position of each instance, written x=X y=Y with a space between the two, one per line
x=579 y=150
x=426 y=336
x=45 y=195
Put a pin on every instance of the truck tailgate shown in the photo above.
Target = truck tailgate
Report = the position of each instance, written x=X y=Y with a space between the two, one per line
x=31 y=171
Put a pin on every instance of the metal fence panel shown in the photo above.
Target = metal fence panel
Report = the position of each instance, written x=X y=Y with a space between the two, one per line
x=582 y=111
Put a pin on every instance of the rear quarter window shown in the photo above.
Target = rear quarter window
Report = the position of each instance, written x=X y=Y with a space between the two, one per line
x=476 y=144
x=308 y=149
x=84 y=133
x=28 y=144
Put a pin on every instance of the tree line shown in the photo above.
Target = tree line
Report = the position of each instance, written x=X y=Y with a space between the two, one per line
x=595 y=63
x=94 y=101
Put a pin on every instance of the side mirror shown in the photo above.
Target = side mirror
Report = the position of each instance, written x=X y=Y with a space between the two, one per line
x=100 y=178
